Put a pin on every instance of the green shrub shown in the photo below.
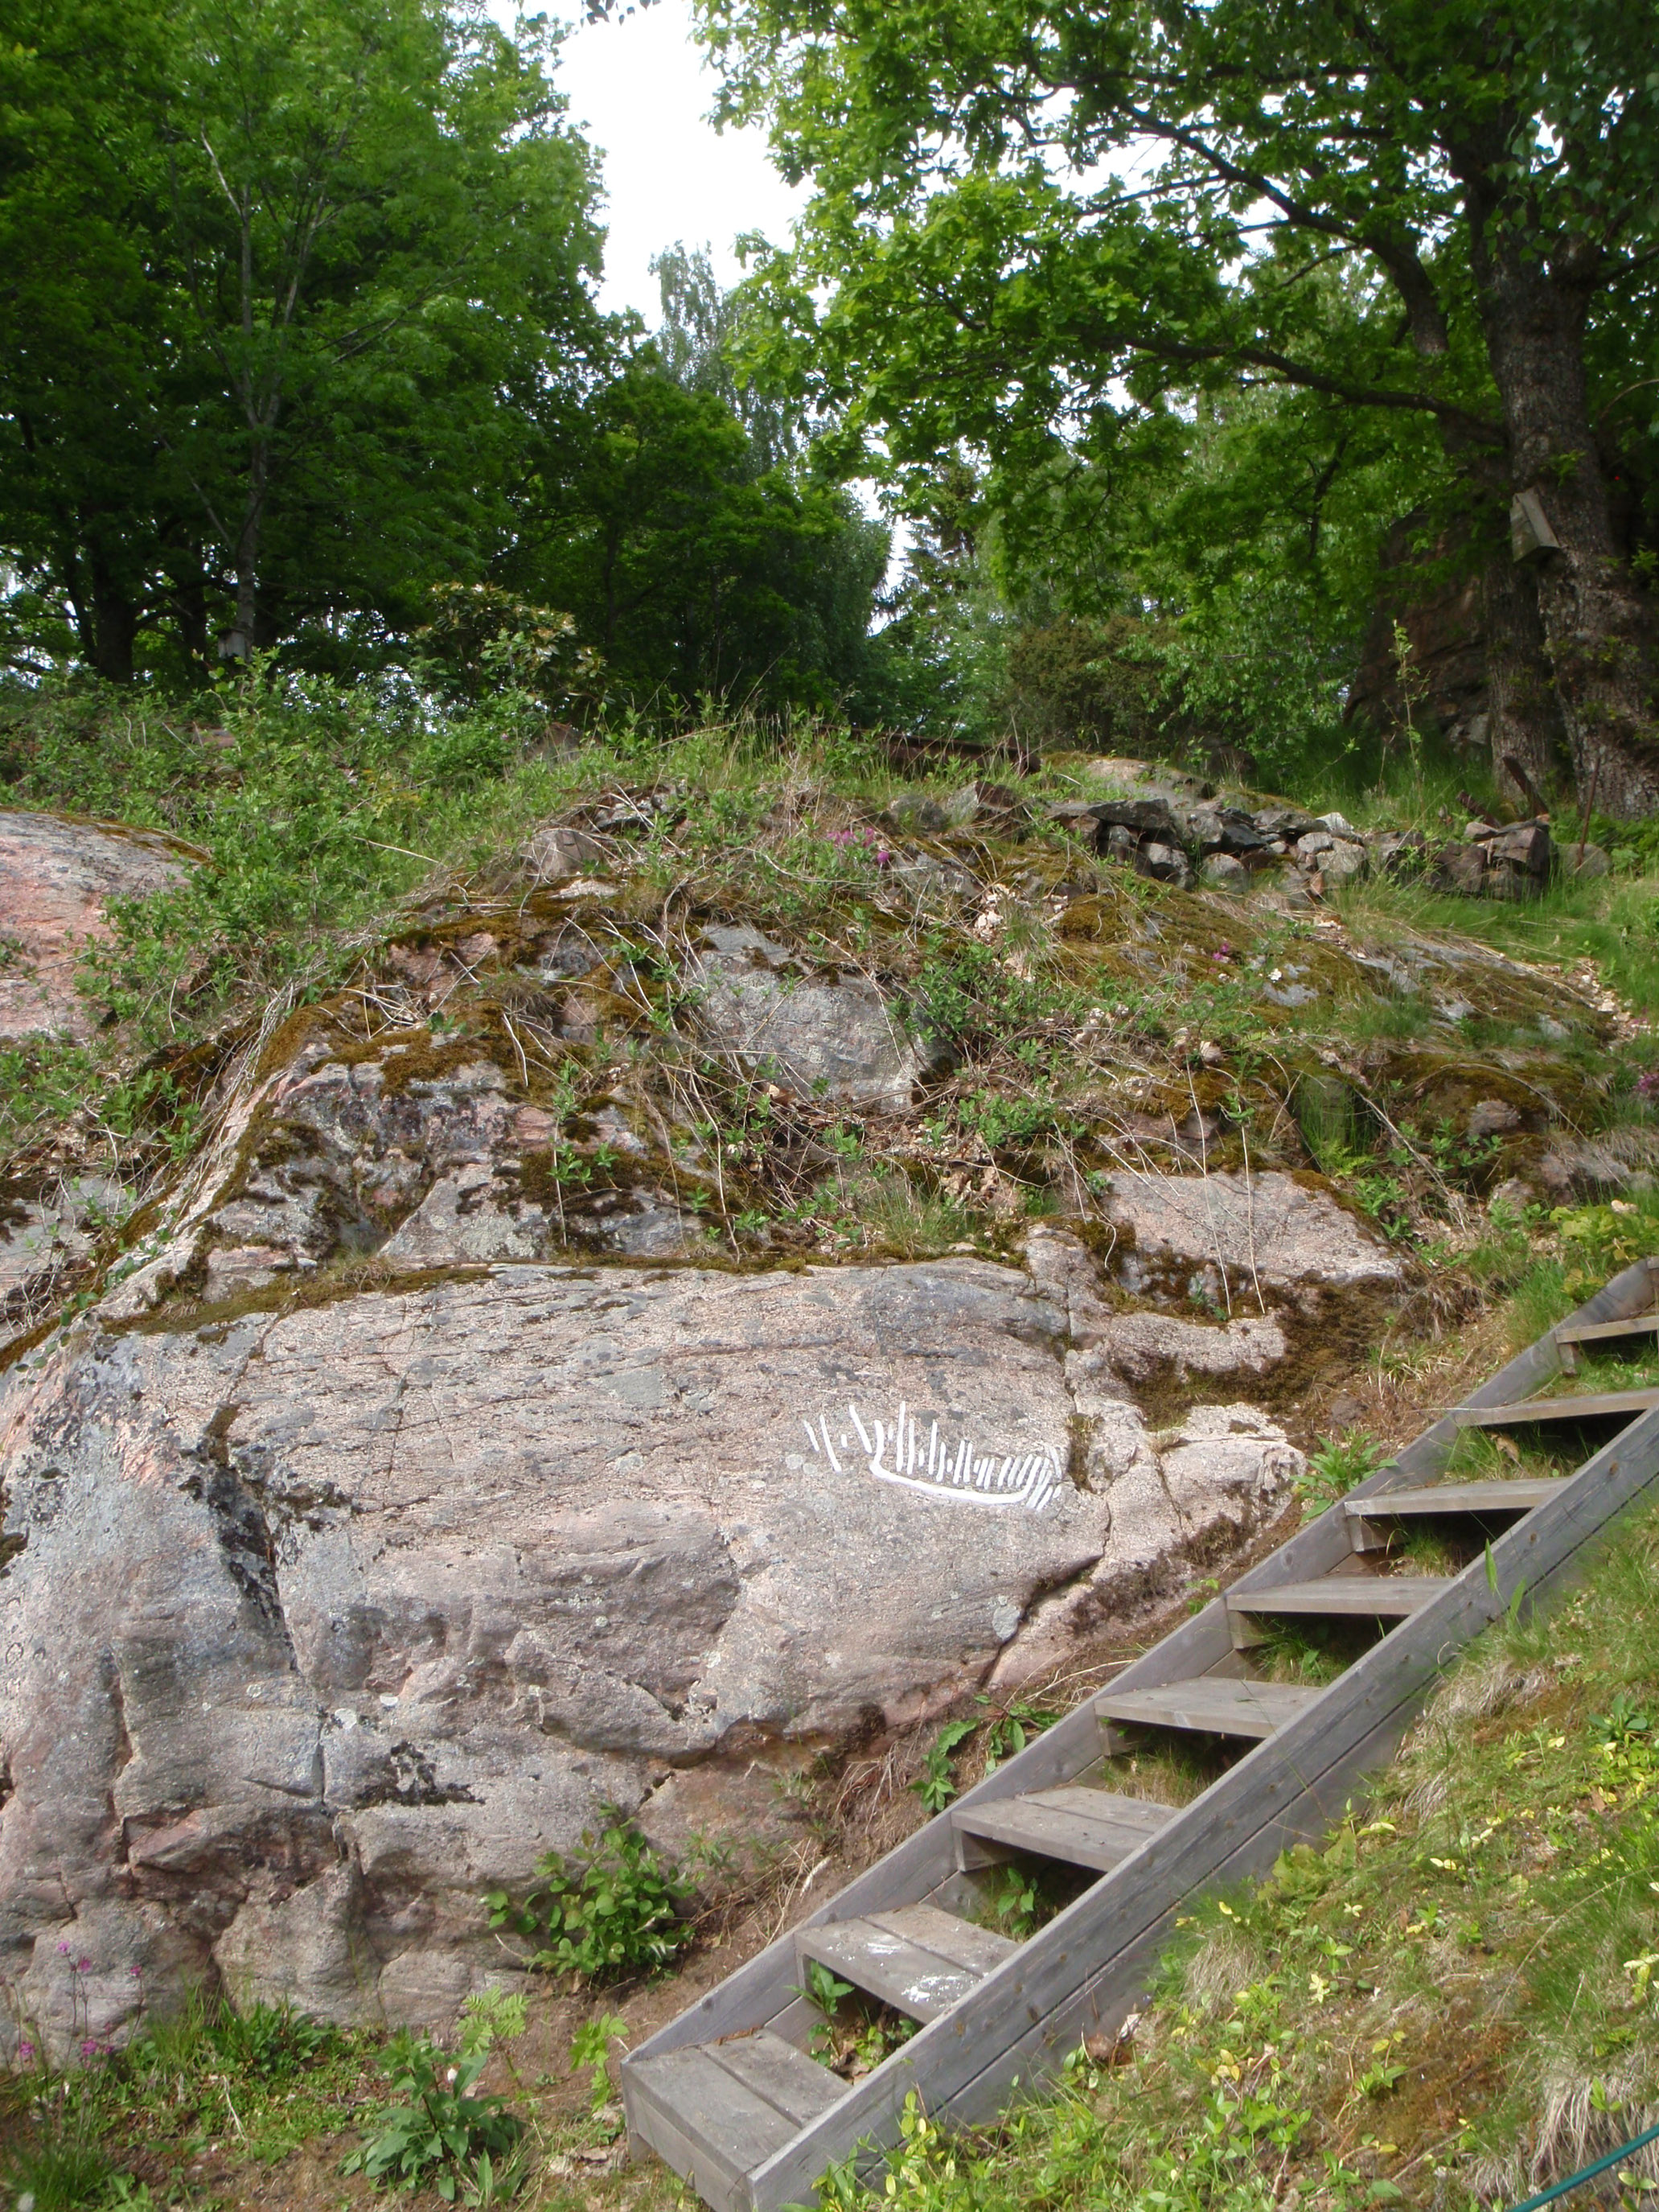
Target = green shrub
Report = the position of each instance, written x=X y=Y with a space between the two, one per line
x=441 y=2135
x=614 y=1915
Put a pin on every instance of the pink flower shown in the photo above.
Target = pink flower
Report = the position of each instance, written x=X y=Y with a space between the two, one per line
x=26 y=2051
x=63 y=1950
x=84 y=1965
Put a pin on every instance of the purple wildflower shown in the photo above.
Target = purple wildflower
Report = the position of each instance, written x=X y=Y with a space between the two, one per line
x=26 y=2051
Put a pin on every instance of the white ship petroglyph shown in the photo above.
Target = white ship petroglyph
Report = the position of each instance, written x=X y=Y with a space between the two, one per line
x=901 y=1453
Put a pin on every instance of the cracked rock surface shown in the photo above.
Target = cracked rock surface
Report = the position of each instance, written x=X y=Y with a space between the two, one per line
x=317 y=1623
x=56 y=877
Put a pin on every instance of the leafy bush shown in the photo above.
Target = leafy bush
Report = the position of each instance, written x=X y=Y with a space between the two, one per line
x=441 y=2135
x=615 y=1915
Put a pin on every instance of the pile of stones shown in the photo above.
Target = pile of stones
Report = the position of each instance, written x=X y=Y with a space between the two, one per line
x=1182 y=834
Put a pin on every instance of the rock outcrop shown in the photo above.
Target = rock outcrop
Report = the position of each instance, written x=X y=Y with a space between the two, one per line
x=317 y=1622
x=56 y=878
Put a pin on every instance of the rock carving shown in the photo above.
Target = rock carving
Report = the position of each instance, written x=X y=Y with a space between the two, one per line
x=961 y=1477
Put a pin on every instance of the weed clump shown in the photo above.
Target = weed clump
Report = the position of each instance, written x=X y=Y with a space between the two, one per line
x=616 y=1914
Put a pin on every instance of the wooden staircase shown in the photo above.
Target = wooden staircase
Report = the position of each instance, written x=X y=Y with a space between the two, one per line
x=728 y=2094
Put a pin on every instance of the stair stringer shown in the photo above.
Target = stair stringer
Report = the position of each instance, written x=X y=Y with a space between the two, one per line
x=1085 y=1968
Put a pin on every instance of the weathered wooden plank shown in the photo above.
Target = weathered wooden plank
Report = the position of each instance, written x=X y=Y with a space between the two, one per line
x=963 y=1942
x=1582 y=1405
x=1344 y=1597
x=797 y=2085
x=1086 y=1827
x=727 y=2127
x=890 y=1962
x=1095 y=1953
x=1213 y=1705
x=651 y=2127
x=1604 y=1332
x=1516 y=1496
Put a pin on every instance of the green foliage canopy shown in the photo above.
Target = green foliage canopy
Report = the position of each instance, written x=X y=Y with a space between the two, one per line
x=271 y=267
x=1033 y=217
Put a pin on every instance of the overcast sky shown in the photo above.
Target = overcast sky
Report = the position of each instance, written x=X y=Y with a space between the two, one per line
x=640 y=91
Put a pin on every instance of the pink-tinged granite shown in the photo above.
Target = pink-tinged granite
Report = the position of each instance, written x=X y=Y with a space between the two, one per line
x=57 y=877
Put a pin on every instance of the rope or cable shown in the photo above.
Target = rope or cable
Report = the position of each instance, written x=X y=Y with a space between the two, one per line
x=1587 y=2173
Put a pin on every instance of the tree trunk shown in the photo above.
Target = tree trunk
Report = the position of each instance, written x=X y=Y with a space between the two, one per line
x=106 y=619
x=1596 y=625
x=1528 y=742
x=244 y=636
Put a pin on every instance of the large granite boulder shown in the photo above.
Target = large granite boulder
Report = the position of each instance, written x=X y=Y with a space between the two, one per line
x=1232 y=1233
x=318 y=1621
x=816 y=1035
x=57 y=876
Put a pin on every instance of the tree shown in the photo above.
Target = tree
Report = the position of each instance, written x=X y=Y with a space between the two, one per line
x=687 y=572
x=1020 y=206
x=289 y=283
x=698 y=342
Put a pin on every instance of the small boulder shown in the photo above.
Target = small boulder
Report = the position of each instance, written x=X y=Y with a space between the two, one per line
x=1312 y=845
x=986 y=803
x=828 y=1036
x=1523 y=849
x=1266 y=1229
x=1147 y=817
x=1584 y=864
x=1215 y=829
x=1343 y=863
x=1289 y=822
x=1399 y=853
x=1223 y=872
x=917 y=813
x=56 y=880
x=1163 y=864
x=1492 y=1117
x=1460 y=868
x=555 y=853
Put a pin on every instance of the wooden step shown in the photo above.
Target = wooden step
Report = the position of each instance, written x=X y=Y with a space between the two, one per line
x=1519 y=1495
x=1371 y=1520
x=1590 y=1405
x=1086 y=1827
x=1343 y=1597
x=1215 y=1704
x=918 y=1960
x=718 y=2110
x=1571 y=1335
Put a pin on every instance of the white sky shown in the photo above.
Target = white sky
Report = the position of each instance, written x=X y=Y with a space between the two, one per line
x=640 y=91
